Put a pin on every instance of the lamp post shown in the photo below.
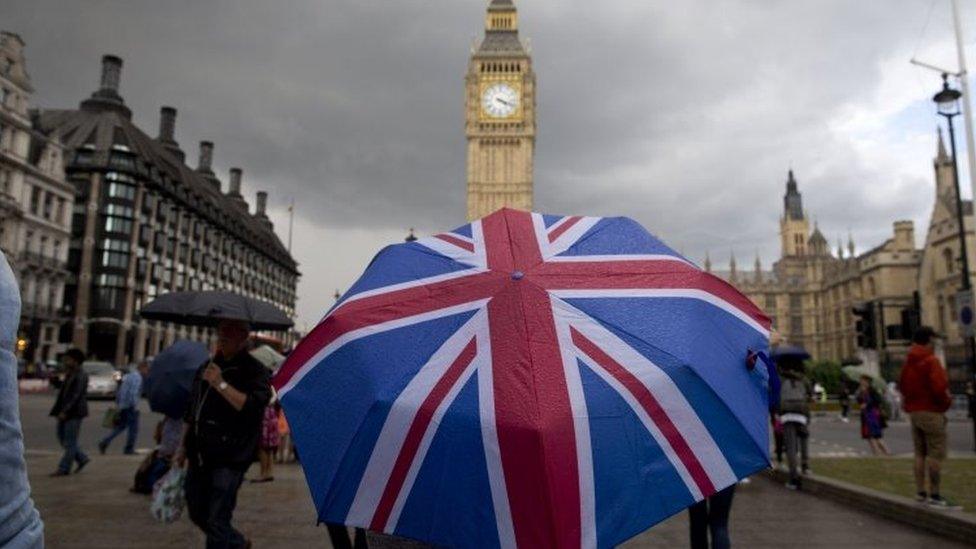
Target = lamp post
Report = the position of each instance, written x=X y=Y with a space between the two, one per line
x=947 y=101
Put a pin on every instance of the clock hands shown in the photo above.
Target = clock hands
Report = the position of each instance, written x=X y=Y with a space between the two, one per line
x=503 y=102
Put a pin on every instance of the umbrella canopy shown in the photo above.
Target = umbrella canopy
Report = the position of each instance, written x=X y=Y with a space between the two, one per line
x=209 y=308
x=528 y=380
x=789 y=352
x=268 y=356
x=171 y=377
x=854 y=373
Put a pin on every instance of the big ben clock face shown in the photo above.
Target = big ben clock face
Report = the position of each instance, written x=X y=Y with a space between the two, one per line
x=500 y=100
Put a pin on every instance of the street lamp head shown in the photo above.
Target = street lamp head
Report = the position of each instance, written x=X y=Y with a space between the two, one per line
x=947 y=100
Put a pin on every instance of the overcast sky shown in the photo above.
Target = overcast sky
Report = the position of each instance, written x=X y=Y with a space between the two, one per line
x=683 y=115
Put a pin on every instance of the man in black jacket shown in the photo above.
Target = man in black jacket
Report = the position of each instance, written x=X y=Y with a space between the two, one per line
x=220 y=435
x=70 y=408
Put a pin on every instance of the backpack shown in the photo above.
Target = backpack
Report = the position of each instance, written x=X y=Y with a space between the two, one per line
x=794 y=396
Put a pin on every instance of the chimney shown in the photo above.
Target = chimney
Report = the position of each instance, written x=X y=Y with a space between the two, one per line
x=106 y=97
x=262 y=204
x=167 y=124
x=206 y=157
x=235 y=182
x=111 y=72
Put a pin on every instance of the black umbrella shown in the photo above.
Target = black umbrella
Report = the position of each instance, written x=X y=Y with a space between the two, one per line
x=171 y=377
x=209 y=308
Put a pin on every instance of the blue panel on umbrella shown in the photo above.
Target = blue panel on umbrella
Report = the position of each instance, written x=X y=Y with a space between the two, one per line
x=551 y=220
x=403 y=263
x=450 y=503
x=679 y=332
x=463 y=230
x=618 y=235
x=636 y=486
x=338 y=418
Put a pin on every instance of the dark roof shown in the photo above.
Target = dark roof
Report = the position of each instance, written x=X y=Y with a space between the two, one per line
x=101 y=123
x=501 y=5
x=501 y=43
x=817 y=237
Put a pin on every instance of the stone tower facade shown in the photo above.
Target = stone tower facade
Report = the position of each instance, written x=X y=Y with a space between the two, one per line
x=500 y=117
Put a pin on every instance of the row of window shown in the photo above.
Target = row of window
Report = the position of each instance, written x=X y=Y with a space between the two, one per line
x=47 y=205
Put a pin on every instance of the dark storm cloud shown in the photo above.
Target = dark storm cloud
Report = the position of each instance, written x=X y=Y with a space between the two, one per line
x=683 y=115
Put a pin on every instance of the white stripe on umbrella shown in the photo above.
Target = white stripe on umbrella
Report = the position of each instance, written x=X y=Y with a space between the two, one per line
x=489 y=437
x=401 y=416
x=666 y=392
x=581 y=420
x=688 y=293
x=373 y=330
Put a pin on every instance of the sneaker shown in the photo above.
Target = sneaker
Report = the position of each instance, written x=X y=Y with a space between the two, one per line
x=793 y=485
x=746 y=480
x=59 y=473
x=921 y=497
x=102 y=446
x=939 y=502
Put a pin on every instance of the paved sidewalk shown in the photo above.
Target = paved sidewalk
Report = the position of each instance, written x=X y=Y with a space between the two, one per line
x=95 y=509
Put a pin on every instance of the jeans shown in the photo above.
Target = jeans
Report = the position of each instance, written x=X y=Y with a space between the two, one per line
x=68 y=439
x=211 y=495
x=711 y=515
x=128 y=419
x=20 y=524
x=797 y=437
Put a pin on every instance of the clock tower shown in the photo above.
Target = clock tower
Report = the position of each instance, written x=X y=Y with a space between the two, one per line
x=500 y=117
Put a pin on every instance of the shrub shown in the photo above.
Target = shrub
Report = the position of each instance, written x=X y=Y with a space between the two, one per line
x=826 y=373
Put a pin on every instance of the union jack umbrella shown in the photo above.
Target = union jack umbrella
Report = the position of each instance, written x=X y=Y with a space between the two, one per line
x=528 y=380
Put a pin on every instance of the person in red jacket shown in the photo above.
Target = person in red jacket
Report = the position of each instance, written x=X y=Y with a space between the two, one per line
x=925 y=397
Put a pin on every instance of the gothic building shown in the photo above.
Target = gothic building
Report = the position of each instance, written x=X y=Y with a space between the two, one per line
x=35 y=208
x=500 y=116
x=811 y=291
x=145 y=223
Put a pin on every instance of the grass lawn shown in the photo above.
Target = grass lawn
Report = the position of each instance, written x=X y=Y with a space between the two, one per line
x=894 y=475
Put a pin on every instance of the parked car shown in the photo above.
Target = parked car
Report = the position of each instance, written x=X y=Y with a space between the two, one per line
x=103 y=378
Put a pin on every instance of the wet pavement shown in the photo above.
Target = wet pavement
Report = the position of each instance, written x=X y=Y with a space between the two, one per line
x=95 y=509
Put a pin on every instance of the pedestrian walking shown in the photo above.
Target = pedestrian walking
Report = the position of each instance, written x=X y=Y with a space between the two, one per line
x=711 y=516
x=796 y=394
x=873 y=421
x=221 y=432
x=844 y=398
x=70 y=409
x=127 y=404
x=20 y=523
x=925 y=398
x=268 y=446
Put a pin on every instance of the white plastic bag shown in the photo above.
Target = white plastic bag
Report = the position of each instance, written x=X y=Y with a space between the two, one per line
x=167 y=496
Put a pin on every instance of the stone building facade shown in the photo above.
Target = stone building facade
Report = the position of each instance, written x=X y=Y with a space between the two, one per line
x=811 y=290
x=500 y=117
x=35 y=208
x=145 y=223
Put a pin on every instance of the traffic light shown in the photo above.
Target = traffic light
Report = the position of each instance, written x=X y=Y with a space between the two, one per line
x=864 y=325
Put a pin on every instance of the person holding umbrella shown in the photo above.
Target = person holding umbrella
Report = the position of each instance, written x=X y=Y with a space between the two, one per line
x=221 y=430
